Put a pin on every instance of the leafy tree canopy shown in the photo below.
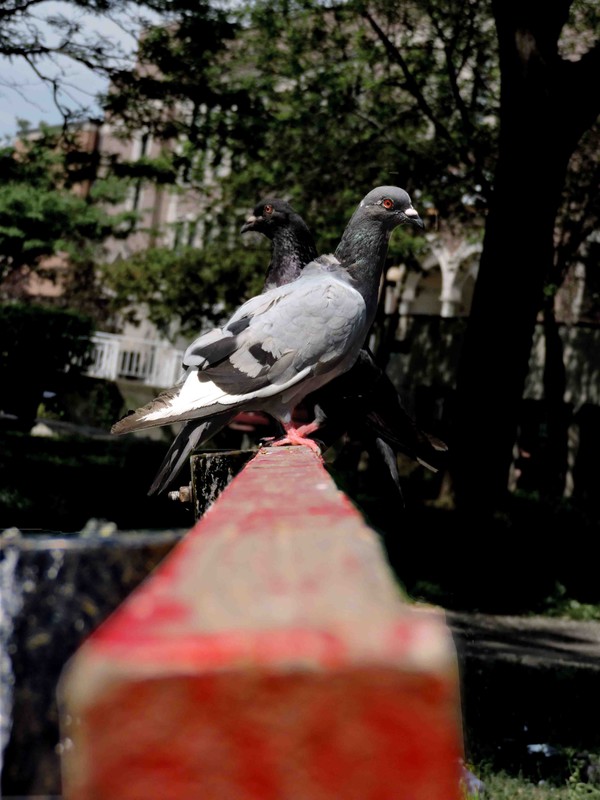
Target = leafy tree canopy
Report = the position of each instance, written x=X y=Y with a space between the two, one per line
x=194 y=287
x=46 y=209
x=320 y=104
x=323 y=102
x=482 y=110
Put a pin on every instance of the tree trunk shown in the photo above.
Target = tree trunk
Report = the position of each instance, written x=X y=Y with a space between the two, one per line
x=557 y=415
x=542 y=117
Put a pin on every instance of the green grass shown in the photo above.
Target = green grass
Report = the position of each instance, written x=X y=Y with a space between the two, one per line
x=502 y=786
x=59 y=484
x=560 y=604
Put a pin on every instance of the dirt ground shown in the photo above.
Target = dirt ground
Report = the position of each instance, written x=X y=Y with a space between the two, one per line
x=529 y=690
x=533 y=640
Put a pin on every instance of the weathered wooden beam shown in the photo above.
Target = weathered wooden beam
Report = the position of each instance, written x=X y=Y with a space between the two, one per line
x=270 y=655
x=211 y=472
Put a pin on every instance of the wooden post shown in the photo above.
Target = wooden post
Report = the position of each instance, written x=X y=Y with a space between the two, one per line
x=271 y=656
x=211 y=472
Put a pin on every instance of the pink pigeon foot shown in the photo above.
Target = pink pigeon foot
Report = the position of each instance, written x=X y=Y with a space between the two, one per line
x=296 y=436
x=304 y=430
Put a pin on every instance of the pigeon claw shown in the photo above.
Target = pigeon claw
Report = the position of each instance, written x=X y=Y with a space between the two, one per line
x=297 y=436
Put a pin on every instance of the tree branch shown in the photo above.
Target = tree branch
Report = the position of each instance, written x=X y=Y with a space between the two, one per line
x=413 y=87
x=411 y=84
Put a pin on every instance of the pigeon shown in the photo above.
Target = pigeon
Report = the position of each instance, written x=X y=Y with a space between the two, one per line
x=287 y=342
x=363 y=398
x=292 y=247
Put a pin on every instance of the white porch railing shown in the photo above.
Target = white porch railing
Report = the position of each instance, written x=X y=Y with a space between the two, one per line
x=116 y=356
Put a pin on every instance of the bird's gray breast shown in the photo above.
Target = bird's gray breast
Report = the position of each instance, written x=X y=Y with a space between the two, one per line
x=316 y=324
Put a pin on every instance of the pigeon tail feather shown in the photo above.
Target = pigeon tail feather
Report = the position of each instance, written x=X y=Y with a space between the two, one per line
x=193 y=434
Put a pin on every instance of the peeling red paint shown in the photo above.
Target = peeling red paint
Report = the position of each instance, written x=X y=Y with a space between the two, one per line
x=218 y=650
x=269 y=657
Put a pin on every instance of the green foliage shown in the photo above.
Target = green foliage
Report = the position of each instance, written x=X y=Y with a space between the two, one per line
x=308 y=103
x=58 y=484
x=47 y=339
x=42 y=212
x=177 y=63
x=160 y=170
x=187 y=288
x=560 y=604
x=501 y=785
x=319 y=102
x=36 y=223
x=350 y=97
x=37 y=344
x=322 y=103
x=85 y=401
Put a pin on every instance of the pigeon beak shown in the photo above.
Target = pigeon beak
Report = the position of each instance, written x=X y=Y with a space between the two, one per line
x=249 y=224
x=412 y=217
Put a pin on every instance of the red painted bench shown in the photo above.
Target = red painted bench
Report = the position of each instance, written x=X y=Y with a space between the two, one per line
x=270 y=656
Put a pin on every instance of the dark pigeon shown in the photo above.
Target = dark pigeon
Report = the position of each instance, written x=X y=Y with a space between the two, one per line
x=289 y=341
x=293 y=246
x=363 y=398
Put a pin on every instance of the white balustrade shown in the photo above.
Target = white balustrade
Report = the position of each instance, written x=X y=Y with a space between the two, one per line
x=116 y=356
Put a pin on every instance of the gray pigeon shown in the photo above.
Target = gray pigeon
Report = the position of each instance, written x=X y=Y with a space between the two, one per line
x=363 y=401
x=292 y=248
x=289 y=341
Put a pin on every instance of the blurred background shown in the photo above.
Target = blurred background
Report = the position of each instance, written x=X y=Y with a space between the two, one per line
x=136 y=139
x=139 y=136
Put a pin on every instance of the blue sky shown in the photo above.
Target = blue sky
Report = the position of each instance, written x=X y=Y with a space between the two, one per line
x=24 y=95
x=32 y=100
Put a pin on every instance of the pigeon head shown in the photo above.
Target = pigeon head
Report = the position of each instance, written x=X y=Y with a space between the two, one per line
x=364 y=244
x=293 y=244
x=391 y=206
x=269 y=215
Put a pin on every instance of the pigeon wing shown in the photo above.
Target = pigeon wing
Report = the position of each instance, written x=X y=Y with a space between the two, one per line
x=290 y=335
x=365 y=395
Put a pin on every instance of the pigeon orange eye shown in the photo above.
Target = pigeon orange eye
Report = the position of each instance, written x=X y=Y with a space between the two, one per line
x=387 y=203
x=268 y=209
